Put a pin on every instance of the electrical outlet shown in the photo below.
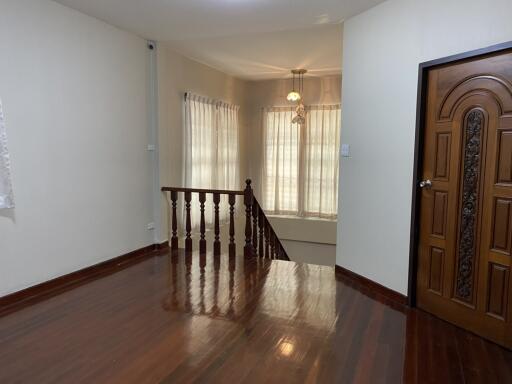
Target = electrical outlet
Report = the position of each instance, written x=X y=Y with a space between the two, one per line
x=151 y=226
x=345 y=150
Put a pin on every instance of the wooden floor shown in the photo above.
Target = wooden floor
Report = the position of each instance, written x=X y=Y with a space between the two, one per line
x=178 y=319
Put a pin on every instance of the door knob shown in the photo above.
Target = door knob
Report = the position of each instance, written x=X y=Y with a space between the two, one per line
x=426 y=184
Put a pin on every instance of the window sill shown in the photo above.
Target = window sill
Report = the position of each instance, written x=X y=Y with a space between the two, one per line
x=295 y=217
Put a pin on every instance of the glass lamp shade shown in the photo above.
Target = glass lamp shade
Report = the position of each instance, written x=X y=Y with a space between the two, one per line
x=300 y=118
x=293 y=96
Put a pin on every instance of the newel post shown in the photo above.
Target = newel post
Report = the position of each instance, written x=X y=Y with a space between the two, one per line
x=248 y=201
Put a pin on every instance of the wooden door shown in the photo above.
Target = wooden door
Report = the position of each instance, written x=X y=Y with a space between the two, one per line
x=465 y=245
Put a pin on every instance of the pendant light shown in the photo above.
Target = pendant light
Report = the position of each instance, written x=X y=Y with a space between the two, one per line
x=296 y=95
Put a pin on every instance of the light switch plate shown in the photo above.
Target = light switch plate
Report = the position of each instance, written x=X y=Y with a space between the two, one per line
x=345 y=150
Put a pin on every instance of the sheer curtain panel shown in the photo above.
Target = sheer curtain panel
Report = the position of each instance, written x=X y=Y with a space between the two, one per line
x=321 y=161
x=211 y=149
x=281 y=157
x=6 y=195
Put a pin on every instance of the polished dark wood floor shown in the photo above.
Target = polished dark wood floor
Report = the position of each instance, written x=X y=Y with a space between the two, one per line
x=182 y=319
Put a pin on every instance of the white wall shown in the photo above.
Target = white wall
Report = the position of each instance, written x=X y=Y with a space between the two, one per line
x=74 y=95
x=382 y=50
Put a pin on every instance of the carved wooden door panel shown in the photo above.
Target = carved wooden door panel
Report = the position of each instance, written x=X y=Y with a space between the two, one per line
x=465 y=247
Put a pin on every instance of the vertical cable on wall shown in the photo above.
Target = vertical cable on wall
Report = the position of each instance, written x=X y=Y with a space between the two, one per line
x=152 y=97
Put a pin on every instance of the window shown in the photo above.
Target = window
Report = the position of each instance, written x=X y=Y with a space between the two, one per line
x=300 y=172
x=211 y=148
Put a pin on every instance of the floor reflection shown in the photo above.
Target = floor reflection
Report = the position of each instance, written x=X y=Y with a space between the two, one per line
x=216 y=286
x=299 y=293
x=223 y=286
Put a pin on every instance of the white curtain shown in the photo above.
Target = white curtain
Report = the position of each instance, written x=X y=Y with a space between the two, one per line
x=6 y=195
x=211 y=150
x=281 y=157
x=321 y=161
x=301 y=162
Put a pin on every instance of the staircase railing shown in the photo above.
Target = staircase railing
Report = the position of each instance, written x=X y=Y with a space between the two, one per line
x=260 y=237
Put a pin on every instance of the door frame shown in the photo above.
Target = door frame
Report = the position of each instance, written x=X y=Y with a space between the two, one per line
x=418 y=151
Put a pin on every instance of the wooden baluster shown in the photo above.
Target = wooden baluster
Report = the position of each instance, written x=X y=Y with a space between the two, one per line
x=174 y=238
x=255 y=227
x=188 y=224
x=267 y=240
x=248 y=201
x=261 y=216
x=202 y=241
x=232 y=245
x=216 y=243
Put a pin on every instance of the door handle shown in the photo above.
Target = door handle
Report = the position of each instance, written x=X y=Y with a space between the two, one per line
x=426 y=184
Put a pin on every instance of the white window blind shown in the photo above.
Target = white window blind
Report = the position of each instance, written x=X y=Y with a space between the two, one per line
x=301 y=162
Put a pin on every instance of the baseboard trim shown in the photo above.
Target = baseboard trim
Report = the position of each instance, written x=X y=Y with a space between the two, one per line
x=163 y=245
x=372 y=286
x=31 y=295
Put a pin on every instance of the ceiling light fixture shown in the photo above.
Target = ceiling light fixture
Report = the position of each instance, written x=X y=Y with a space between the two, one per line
x=296 y=95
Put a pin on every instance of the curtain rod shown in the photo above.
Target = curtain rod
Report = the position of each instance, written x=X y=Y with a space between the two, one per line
x=213 y=100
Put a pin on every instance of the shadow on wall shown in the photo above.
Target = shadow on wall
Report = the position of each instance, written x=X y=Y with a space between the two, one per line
x=9 y=214
x=310 y=253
